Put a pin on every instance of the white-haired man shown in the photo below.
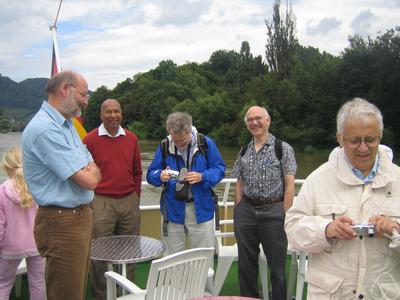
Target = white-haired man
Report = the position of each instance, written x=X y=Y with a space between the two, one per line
x=358 y=186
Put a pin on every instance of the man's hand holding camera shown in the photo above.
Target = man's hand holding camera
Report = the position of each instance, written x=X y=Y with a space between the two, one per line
x=190 y=177
x=340 y=229
x=168 y=174
x=384 y=225
x=344 y=228
x=193 y=177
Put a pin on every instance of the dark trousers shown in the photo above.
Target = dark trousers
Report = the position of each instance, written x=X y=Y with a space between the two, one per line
x=63 y=236
x=112 y=216
x=254 y=225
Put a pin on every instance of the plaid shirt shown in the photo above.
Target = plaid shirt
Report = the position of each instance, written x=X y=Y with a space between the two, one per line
x=262 y=172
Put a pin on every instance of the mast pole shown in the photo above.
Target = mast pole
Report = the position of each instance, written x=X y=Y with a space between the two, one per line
x=56 y=52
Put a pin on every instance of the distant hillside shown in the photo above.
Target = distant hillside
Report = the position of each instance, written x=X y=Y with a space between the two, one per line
x=27 y=94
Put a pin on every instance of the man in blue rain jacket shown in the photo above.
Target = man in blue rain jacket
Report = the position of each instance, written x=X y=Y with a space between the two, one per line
x=187 y=203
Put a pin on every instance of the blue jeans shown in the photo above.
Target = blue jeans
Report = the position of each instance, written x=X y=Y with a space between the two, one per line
x=254 y=225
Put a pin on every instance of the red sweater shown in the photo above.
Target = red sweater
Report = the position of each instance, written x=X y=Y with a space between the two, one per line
x=119 y=161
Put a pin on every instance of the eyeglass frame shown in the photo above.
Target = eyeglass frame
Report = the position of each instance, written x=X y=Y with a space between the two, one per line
x=84 y=94
x=256 y=118
x=355 y=142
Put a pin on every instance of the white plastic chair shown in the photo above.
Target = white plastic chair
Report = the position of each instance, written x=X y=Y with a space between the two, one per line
x=178 y=276
x=302 y=257
x=18 y=279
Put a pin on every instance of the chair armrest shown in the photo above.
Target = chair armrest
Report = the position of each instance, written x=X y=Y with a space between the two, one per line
x=224 y=234
x=125 y=283
x=210 y=273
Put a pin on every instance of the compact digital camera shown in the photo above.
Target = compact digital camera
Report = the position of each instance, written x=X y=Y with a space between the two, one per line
x=174 y=174
x=364 y=229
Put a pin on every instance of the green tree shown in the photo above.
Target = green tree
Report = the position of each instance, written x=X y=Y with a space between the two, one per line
x=371 y=69
x=5 y=125
x=91 y=117
x=282 y=42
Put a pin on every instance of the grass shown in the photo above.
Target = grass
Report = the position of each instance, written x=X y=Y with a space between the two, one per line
x=230 y=287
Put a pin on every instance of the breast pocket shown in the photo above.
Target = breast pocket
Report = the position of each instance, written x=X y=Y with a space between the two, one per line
x=330 y=211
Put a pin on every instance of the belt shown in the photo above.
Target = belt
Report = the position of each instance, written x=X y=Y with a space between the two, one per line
x=82 y=206
x=262 y=201
x=189 y=200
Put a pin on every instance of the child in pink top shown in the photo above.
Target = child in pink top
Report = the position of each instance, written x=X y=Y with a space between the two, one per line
x=17 y=215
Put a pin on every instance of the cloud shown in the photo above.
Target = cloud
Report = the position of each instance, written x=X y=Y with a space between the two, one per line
x=324 y=26
x=181 y=12
x=110 y=40
x=362 y=24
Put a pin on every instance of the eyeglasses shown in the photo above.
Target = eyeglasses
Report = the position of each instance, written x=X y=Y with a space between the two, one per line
x=355 y=142
x=84 y=94
x=181 y=139
x=257 y=119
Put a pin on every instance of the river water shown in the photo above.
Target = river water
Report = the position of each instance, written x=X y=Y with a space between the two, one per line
x=307 y=162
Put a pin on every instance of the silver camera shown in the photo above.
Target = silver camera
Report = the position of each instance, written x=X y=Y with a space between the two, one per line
x=174 y=174
x=364 y=229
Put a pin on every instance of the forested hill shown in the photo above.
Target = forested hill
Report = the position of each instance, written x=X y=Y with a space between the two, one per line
x=27 y=94
x=301 y=88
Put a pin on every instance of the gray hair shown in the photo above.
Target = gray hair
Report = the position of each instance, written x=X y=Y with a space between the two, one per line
x=179 y=122
x=357 y=108
x=263 y=109
x=57 y=80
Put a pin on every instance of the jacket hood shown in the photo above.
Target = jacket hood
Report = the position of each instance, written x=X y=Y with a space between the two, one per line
x=10 y=190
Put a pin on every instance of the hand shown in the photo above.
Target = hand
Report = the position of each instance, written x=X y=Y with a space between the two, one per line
x=193 y=177
x=340 y=229
x=287 y=205
x=384 y=225
x=164 y=176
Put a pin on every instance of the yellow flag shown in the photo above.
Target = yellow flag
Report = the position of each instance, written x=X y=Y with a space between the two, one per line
x=79 y=128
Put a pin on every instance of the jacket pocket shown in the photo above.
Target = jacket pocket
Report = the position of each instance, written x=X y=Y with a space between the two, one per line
x=330 y=210
x=324 y=285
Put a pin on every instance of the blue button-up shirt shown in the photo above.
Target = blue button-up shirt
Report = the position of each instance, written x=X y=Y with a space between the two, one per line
x=52 y=152
x=371 y=175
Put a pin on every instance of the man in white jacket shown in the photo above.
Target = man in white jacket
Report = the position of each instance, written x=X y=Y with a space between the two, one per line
x=358 y=186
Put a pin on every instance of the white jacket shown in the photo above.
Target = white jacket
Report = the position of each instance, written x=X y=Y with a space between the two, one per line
x=359 y=269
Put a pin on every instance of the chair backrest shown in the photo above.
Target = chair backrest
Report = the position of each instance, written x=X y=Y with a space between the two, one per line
x=181 y=275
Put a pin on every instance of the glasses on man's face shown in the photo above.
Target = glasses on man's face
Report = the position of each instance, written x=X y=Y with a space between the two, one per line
x=181 y=140
x=355 y=142
x=85 y=95
x=257 y=119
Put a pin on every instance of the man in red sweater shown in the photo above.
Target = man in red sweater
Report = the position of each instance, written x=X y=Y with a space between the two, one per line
x=116 y=203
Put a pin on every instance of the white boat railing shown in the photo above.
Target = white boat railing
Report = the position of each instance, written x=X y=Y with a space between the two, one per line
x=227 y=182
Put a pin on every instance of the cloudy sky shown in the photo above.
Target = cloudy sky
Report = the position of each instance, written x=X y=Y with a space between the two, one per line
x=110 y=40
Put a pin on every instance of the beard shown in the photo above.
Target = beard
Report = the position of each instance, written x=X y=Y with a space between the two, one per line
x=71 y=107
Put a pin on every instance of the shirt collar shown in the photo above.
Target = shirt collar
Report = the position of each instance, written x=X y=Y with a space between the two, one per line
x=55 y=114
x=268 y=142
x=103 y=131
x=371 y=176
